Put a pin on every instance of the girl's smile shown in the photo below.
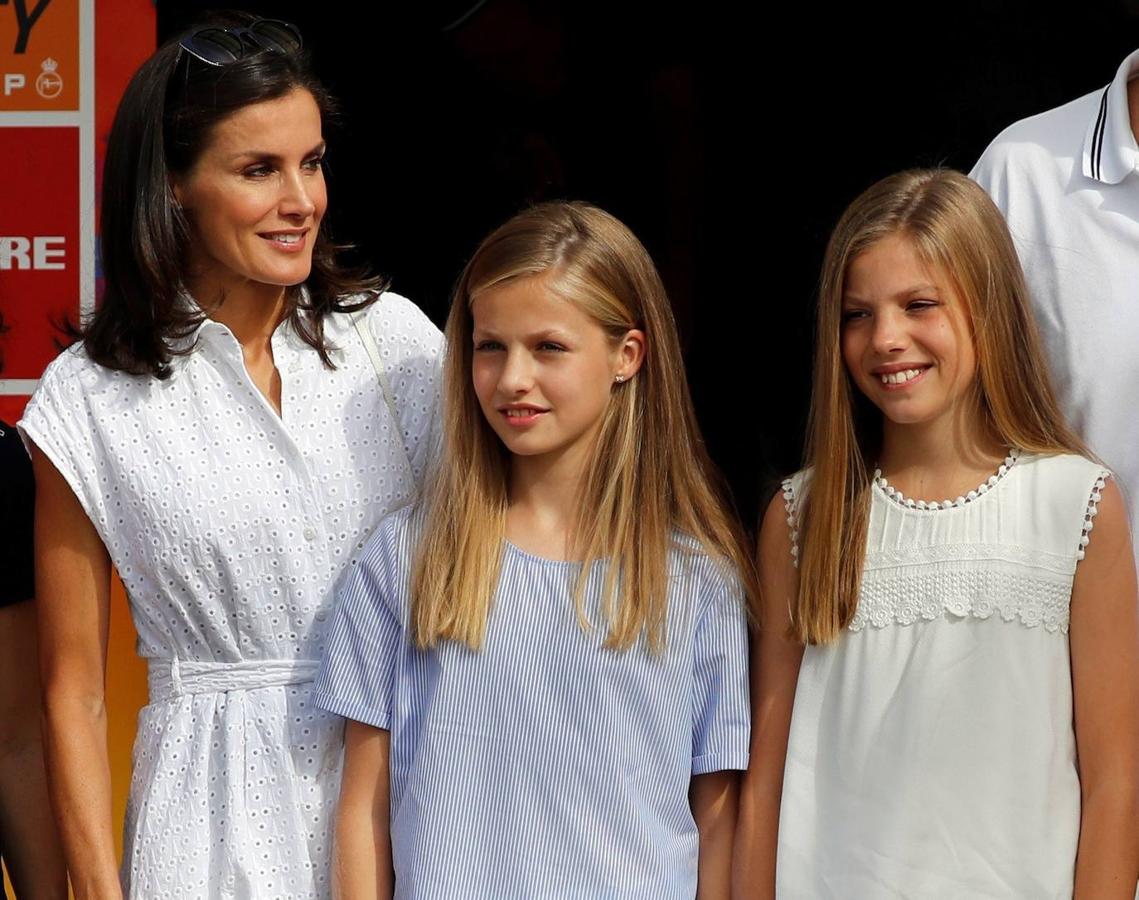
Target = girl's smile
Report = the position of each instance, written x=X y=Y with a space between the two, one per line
x=905 y=335
x=901 y=375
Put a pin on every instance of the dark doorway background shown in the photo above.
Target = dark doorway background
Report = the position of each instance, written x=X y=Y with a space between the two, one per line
x=729 y=140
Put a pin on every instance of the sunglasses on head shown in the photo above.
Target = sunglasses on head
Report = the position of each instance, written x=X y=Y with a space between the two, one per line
x=221 y=46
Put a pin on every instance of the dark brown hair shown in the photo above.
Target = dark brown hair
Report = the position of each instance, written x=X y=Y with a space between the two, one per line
x=162 y=125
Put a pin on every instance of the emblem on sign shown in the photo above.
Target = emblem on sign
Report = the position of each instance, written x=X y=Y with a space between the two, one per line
x=49 y=84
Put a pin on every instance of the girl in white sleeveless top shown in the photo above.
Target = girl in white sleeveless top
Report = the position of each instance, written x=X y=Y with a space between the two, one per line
x=946 y=681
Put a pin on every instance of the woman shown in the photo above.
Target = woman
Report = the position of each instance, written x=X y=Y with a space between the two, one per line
x=224 y=436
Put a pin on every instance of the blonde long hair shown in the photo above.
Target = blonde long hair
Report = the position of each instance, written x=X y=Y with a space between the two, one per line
x=958 y=232
x=649 y=474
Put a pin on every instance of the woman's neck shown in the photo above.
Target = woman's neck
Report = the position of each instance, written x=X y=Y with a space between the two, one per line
x=252 y=311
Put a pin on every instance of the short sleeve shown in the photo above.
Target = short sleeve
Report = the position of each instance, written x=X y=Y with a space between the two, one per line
x=358 y=670
x=57 y=420
x=411 y=349
x=17 y=499
x=721 y=706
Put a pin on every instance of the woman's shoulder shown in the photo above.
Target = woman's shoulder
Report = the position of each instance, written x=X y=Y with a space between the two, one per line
x=391 y=315
x=73 y=363
x=408 y=344
x=69 y=382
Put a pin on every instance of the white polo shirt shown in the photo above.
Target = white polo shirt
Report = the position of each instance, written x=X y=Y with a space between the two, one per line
x=1068 y=184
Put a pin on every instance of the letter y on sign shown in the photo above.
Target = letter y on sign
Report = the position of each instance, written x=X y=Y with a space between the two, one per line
x=25 y=21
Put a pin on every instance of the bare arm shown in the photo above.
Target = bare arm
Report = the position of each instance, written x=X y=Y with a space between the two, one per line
x=362 y=849
x=774 y=671
x=73 y=584
x=1104 y=640
x=31 y=844
x=714 y=798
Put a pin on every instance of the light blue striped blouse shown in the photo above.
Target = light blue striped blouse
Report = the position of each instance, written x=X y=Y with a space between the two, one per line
x=542 y=765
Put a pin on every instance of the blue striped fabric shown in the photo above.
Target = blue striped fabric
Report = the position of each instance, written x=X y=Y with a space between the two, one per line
x=542 y=765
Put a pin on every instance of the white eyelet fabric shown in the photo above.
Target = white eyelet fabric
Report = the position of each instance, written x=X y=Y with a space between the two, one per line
x=932 y=750
x=231 y=527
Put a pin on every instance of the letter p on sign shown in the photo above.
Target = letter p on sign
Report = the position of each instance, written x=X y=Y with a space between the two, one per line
x=13 y=81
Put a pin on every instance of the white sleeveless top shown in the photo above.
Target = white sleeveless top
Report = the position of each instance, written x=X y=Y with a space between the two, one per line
x=932 y=751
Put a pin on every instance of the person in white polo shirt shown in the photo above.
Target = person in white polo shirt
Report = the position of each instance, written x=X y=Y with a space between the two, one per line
x=1068 y=184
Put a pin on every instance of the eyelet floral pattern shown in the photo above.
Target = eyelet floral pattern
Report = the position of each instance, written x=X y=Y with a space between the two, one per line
x=230 y=527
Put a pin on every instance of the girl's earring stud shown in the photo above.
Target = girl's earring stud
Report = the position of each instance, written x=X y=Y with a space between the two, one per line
x=619 y=378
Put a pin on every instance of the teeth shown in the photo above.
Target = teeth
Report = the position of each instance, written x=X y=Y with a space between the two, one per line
x=900 y=377
x=520 y=413
x=285 y=238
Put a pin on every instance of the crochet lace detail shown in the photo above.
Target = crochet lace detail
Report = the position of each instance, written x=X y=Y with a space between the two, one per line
x=1092 y=511
x=792 y=508
x=981 y=593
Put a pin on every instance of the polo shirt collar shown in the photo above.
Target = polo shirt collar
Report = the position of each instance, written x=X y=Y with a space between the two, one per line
x=1110 y=152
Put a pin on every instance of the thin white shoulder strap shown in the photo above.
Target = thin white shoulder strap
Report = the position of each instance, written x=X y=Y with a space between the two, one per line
x=373 y=351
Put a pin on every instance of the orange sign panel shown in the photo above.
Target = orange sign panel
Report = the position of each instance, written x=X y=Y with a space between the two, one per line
x=39 y=55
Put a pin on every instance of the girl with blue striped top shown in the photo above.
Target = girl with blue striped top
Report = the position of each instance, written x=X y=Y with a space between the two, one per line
x=544 y=661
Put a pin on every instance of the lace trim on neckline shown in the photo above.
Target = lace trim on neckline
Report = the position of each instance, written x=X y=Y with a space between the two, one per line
x=893 y=494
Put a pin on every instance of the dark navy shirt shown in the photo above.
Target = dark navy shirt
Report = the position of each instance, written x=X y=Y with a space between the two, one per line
x=17 y=492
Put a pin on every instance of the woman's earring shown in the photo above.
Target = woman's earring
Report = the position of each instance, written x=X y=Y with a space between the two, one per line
x=619 y=378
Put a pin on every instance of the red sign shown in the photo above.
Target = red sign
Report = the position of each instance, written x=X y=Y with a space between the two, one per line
x=39 y=244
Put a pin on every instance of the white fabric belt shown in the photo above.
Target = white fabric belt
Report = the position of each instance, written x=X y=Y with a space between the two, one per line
x=168 y=678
